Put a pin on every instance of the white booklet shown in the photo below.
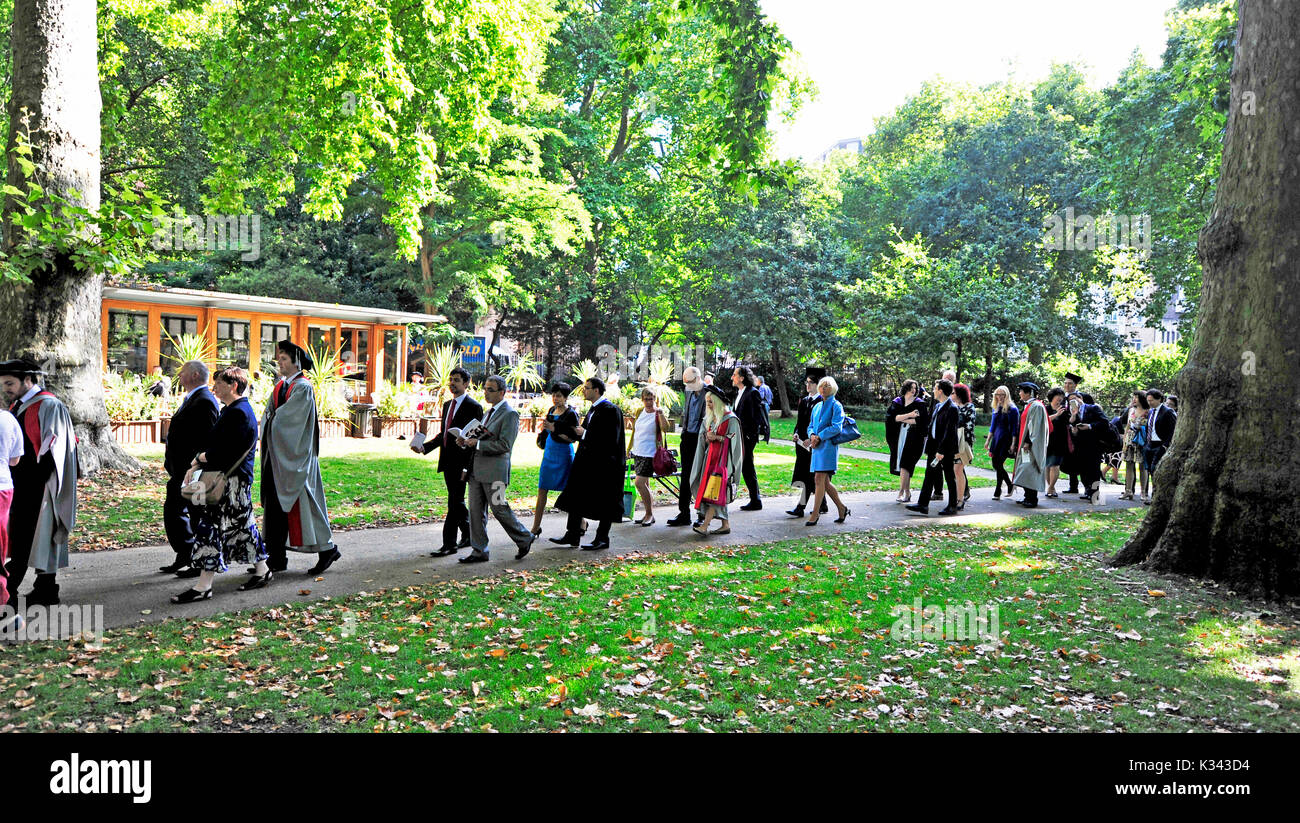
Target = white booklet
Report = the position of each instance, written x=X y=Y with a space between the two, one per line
x=472 y=429
x=417 y=442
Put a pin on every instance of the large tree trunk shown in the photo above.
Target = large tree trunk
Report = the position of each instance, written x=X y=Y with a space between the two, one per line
x=782 y=393
x=1225 y=494
x=56 y=317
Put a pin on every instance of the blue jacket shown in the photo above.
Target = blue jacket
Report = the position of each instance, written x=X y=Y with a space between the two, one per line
x=1003 y=430
x=236 y=430
x=827 y=420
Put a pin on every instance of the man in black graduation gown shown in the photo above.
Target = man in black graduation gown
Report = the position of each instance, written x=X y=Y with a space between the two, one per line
x=1071 y=385
x=186 y=436
x=940 y=449
x=595 y=487
x=453 y=461
x=748 y=406
x=43 y=511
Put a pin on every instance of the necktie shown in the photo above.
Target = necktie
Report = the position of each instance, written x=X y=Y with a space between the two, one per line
x=282 y=394
x=451 y=418
x=489 y=416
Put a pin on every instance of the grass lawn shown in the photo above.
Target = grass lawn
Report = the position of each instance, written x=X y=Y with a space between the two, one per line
x=379 y=482
x=792 y=636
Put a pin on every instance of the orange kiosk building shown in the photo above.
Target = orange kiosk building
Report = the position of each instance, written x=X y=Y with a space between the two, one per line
x=243 y=330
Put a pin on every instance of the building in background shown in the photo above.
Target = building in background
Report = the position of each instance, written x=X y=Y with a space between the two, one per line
x=854 y=144
x=138 y=320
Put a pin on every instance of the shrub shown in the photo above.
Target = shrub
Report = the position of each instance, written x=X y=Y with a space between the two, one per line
x=127 y=397
x=391 y=402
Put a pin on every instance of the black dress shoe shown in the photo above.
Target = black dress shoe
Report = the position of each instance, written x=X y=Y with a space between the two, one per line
x=797 y=511
x=596 y=545
x=187 y=572
x=918 y=509
x=257 y=582
x=190 y=595
x=526 y=549
x=949 y=510
x=325 y=560
x=443 y=552
x=680 y=520
x=463 y=544
x=475 y=557
x=570 y=540
x=752 y=506
x=172 y=568
x=1027 y=505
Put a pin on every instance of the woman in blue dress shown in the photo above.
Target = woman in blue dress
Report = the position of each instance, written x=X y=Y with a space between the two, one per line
x=556 y=441
x=828 y=418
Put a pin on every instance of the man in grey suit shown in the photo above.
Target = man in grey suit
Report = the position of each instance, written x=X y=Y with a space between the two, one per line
x=489 y=474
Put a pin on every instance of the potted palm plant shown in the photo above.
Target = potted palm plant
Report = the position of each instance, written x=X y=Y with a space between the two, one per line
x=524 y=374
x=439 y=361
x=327 y=382
x=394 y=412
x=185 y=348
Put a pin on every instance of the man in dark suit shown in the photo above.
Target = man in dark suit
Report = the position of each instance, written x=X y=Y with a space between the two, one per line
x=186 y=436
x=692 y=422
x=454 y=460
x=749 y=408
x=595 y=487
x=1161 y=421
x=940 y=449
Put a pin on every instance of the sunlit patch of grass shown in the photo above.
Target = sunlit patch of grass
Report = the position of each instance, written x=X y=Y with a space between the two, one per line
x=670 y=568
x=1009 y=563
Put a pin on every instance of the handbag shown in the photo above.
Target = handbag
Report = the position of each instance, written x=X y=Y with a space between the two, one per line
x=848 y=432
x=206 y=488
x=664 y=464
x=717 y=485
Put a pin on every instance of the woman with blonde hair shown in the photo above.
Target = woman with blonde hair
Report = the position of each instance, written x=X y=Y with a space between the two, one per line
x=1001 y=440
x=828 y=419
x=719 y=454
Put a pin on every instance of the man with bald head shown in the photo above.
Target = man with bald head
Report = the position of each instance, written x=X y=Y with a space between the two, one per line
x=190 y=426
x=692 y=420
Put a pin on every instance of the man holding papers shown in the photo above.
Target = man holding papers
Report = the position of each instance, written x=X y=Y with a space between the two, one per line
x=454 y=460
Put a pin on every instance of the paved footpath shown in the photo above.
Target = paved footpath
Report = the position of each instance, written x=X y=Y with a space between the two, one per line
x=132 y=590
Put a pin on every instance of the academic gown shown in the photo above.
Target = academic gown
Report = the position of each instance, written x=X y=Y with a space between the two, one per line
x=595 y=486
x=906 y=442
x=44 y=507
x=1031 y=464
x=291 y=465
x=803 y=457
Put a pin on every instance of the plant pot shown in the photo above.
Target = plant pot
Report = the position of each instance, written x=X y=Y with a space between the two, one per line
x=137 y=431
x=333 y=428
x=394 y=426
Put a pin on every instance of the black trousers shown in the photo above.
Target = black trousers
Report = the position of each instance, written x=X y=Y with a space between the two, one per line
x=1031 y=495
x=177 y=522
x=748 y=471
x=456 y=525
x=574 y=527
x=933 y=474
x=687 y=453
x=1000 y=467
x=22 y=531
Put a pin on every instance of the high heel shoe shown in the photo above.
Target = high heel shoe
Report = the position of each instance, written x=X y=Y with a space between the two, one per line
x=844 y=515
x=649 y=522
x=810 y=522
x=535 y=531
x=190 y=595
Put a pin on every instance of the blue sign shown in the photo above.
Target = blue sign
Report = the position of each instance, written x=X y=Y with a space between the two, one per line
x=473 y=351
